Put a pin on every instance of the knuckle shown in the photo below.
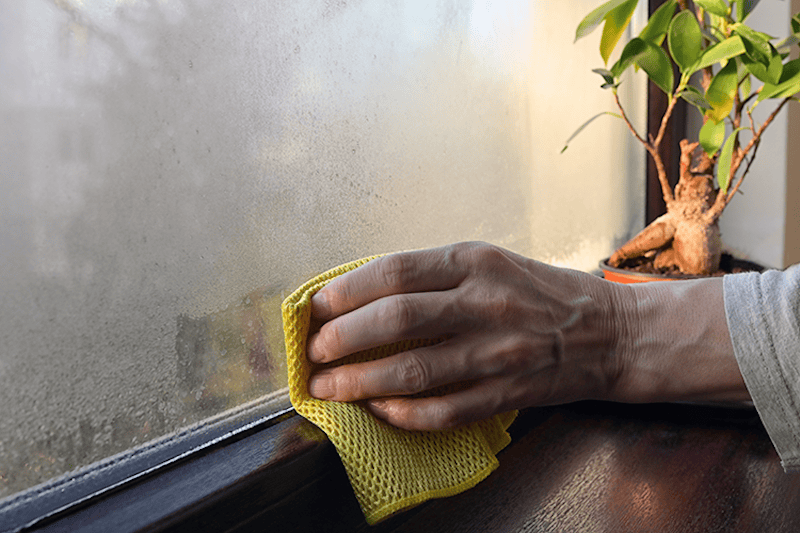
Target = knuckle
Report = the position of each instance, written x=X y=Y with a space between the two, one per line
x=465 y=252
x=503 y=306
x=514 y=359
x=413 y=374
x=423 y=415
x=487 y=253
x=455 y=253
x=330 y=339
x=349 y=386
x=444 y=415
x=400 y=412
x=401 y=312
x=396 y=272
x=338 y=292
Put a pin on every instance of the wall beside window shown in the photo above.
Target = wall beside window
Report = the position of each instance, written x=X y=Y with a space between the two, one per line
x=172 y=169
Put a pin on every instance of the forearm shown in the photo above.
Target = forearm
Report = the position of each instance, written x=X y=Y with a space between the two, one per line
x=675 y=344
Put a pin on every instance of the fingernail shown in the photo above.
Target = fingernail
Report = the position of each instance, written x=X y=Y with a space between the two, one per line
x=322 y=386
x=312 y=351
x=320 y=307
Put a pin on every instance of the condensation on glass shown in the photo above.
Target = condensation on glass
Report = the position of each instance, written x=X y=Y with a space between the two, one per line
x=172 y=169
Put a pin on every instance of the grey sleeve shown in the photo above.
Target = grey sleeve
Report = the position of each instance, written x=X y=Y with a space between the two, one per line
x=763 y=313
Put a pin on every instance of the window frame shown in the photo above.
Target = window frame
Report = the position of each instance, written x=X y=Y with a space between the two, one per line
x=669 y=150
x=262 y=474
x=54 y=501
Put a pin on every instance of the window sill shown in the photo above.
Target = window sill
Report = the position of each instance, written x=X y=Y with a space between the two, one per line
x=282 y=474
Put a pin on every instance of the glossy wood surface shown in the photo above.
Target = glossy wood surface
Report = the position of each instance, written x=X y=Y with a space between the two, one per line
x=587 y=467
x=596 y=467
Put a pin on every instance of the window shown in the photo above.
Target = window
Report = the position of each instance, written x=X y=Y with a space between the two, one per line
x=235 y=149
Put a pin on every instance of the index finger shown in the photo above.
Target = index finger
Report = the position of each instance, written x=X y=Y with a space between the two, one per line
x=434 y=269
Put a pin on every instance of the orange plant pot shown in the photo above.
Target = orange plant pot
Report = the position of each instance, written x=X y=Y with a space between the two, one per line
x=728 y=264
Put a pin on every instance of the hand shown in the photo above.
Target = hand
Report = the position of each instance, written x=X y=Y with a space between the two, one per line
x=519 y=333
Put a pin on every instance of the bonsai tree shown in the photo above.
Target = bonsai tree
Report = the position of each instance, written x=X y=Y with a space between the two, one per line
x=725 y=69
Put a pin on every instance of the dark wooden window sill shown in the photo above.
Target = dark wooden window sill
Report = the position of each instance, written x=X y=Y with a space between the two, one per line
x=613 y=467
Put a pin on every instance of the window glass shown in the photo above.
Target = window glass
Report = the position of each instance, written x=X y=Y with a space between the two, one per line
x=172 y=169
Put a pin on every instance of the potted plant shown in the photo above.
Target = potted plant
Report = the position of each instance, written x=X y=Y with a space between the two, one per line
x=725 y=69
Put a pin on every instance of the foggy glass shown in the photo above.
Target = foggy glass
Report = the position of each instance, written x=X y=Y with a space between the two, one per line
x=172 y=169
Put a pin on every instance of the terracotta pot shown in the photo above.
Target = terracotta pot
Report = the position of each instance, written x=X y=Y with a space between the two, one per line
x=728 y=264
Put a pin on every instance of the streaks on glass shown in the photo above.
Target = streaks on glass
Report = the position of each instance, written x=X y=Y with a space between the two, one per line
x=231 y=356
x=170 y=169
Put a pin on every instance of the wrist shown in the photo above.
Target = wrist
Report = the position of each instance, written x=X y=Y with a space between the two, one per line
x=674 y=344
x=623 y=324
x=609 y=338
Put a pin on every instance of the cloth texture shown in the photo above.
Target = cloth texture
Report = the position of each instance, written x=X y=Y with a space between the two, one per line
x=763 y=313
x=390 y=469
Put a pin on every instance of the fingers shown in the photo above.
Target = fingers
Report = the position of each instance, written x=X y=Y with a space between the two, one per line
x=442 y=412
x=393 y=318
x=419 y=271
x=401 y=374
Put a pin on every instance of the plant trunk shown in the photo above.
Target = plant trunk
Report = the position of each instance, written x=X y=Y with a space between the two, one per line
x=687 y=236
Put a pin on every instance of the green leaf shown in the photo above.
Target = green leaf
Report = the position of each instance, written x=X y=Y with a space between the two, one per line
x=790 y=70
x=796 y=24
x=788 y=85
x=696 y=98
x=593 y=19
x=723 y=51
x=746 y=87
x=784 y=47
x=756 y=45
x=718 y=25
x=616 y=21
x=607 y=74
x=650 y=58
x=712 y=38
x=724 y=162
x=741 y=70
x=771 y=74
x=685 y=40
x=583 y=126
x=658 y=25
x=720 y=92
x=632 y=50
x=718 y=7
x=656 y=64
x=744 y=7
x=608 y=77
x=712 y=134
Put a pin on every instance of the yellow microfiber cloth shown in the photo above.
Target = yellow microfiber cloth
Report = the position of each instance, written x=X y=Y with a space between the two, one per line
x=390 y=469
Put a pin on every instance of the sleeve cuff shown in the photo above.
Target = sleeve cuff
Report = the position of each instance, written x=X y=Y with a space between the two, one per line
x=762 y=315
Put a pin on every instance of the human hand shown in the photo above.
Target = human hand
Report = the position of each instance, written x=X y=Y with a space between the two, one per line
x=519 y=333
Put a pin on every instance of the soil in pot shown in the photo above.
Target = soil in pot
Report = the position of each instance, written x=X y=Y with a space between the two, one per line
x=641 y=269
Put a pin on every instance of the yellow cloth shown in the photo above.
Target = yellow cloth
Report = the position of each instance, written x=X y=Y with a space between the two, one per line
x=390 y=469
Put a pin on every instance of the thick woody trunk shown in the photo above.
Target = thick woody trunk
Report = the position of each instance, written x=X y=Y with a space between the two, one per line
x=687 y=236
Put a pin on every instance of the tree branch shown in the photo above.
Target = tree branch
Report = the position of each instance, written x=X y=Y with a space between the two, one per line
x=628 y=122
x=753 y=142
x=735 y=188
x=664 y=121
x=723 y=200
x=666 y=190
